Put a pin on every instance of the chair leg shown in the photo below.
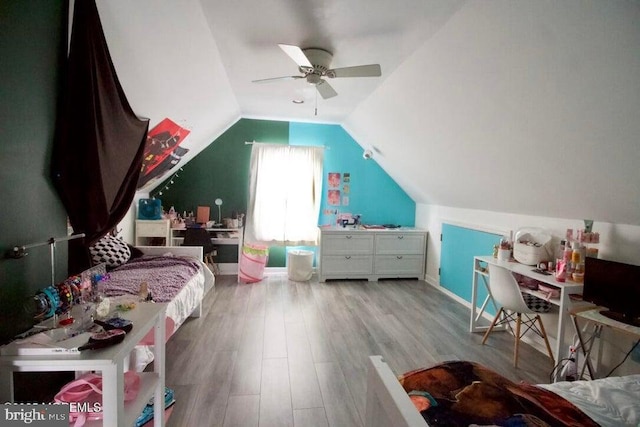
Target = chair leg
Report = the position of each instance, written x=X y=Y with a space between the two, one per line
x=493 y=324
x=546 y=341
x=517 y=342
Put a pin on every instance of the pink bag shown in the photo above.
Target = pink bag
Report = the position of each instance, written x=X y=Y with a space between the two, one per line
x=252 y=262
x=84 y=395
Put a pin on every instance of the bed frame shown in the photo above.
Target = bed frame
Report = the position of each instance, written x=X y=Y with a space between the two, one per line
x=388 y=404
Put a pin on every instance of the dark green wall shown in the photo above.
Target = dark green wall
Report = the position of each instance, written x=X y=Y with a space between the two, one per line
x=32 y=45
x=222 y=171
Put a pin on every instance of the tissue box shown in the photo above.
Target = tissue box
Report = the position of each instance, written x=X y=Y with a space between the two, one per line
x=531 y=249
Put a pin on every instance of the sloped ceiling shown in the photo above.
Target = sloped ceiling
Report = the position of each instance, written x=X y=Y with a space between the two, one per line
x=509 y=106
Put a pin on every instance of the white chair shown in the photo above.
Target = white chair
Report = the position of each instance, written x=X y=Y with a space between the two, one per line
x=507 y=294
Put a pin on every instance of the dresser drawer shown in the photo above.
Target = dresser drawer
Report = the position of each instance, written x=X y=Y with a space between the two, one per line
x=400 y=243
x=347 y=244
x=346 y=265
x=399 y=265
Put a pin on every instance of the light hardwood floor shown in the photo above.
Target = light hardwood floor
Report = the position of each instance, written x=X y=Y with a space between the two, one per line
x=280 y=353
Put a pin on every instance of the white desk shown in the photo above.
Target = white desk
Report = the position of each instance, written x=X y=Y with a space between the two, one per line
x=110 y=361
x=219 y=236
x=563 y=303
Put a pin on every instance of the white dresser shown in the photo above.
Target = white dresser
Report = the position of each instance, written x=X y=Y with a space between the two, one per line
x=371 y=254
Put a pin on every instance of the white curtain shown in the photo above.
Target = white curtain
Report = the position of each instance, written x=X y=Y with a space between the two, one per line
x=284 y=194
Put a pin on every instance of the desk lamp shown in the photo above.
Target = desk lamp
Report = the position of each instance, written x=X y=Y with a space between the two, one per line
x=218 y=203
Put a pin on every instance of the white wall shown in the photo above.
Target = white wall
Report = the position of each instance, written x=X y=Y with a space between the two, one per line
x=127 y=227
x=512 y=104
x=617 y=242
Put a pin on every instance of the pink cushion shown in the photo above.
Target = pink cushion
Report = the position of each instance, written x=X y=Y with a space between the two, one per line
x=169 y=330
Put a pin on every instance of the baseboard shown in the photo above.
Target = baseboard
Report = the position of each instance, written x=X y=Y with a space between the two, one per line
x=457 y=298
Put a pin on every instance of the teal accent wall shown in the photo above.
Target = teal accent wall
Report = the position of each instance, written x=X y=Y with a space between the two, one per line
x=32 y=48
x=459 y=246
x=372 y=192
x=222 y=171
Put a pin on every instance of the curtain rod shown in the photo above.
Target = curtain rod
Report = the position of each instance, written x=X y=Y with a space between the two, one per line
x=324 y=147
x=21 y=251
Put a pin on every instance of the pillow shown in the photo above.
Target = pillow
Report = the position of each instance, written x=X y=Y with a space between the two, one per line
x=110 y=250
x=135 y=252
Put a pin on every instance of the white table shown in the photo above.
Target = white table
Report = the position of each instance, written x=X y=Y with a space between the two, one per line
x=219 y=236
x=110 y=361
x=591 y=316
x=481 y=275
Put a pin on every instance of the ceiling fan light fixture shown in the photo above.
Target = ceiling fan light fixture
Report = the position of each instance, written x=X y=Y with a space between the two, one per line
x=313 y=79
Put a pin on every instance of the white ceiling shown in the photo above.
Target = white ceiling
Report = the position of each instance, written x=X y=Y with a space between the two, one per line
x=508 y=106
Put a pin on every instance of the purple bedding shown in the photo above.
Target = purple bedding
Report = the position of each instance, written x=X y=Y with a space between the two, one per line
x=165 y=277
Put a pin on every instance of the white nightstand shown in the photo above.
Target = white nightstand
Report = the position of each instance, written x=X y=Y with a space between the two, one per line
x=146 y=229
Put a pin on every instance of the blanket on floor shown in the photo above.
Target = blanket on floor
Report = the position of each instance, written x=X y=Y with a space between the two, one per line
x=466 y=393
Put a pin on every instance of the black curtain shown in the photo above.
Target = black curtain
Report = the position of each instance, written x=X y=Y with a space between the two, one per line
x=98 y=152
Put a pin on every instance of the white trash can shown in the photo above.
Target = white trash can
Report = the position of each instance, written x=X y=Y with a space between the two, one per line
x=300 y=265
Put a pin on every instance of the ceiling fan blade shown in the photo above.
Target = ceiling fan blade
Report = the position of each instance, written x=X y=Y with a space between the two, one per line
x=296 y=54
x=275 y=79
x=371 y=70
x=325 y=90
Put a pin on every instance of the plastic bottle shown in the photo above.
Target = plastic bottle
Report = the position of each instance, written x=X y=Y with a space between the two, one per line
x=566 y=257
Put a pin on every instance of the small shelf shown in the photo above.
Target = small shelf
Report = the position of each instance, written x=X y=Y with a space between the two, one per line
x=133 y=409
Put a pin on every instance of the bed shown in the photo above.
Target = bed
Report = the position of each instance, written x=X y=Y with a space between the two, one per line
x=175 y=275
x=185 y=301
x=466 y=393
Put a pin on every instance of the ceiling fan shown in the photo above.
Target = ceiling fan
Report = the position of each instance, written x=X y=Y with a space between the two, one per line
x=314 y=65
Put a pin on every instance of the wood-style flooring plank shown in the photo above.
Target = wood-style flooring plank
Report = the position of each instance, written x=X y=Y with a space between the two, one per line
x=275 y=394
x=310 y=417
x=338 y=400
x=305 y=391
x=242 y=411
x=247 y=373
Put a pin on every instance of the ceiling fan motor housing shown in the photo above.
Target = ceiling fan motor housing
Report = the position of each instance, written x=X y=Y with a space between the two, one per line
x=320 y=59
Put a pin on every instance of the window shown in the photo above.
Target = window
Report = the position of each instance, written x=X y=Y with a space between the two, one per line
x=284 y=194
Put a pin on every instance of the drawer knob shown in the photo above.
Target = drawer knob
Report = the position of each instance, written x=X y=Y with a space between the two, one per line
x=348 y=237
x=400 y=237
x=399 y=256
x=348 y=257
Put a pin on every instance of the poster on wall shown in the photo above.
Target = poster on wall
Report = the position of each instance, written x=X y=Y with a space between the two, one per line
x=162 y=142
x=339 y=188
x=334 y=197
x=167 y=164
x=334 y=179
